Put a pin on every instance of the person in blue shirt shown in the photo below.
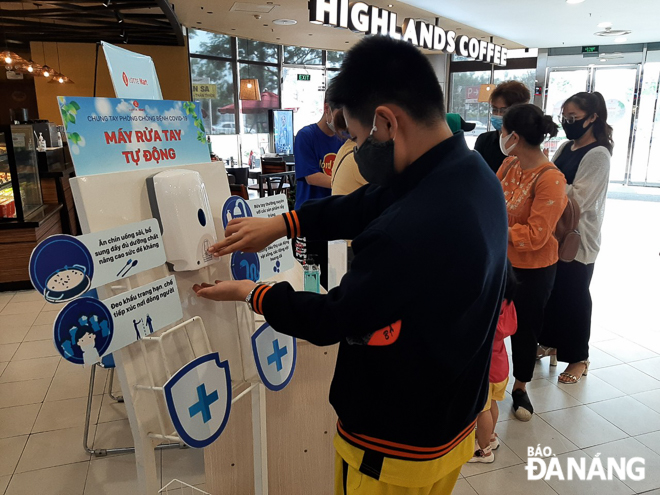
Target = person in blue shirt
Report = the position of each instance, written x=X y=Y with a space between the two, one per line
x=314 y=151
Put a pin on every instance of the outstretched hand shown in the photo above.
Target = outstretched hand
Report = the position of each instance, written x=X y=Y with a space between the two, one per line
x=232 y=290
x=249 y=235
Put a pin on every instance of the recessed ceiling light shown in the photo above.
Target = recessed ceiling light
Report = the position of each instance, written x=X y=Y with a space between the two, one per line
x=285 y=22
x=574 y=1
x=603 y=60
x=390 y=5
x=620 y=39
x=606 y=24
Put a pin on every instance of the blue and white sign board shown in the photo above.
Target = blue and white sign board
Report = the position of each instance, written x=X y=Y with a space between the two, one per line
x=63 y=267
x=118 y=135
x=198 y=399
x=275 y=355
x=133 y=74
x=278 y=257
x=87 y=329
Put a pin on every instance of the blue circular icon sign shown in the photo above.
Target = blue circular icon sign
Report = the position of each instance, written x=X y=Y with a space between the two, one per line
x=83 y=331
x=61 y=268
x=235 y=207
x=245 y=266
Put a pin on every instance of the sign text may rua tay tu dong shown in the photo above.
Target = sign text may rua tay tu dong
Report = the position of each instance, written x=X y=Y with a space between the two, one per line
x=363 y=18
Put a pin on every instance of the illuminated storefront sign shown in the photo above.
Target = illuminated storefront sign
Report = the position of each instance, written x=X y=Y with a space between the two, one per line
x=368 y=19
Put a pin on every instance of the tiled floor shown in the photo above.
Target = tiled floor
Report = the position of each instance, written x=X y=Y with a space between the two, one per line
x=614 y=412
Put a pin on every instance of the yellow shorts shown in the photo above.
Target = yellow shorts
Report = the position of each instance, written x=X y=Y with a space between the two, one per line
x=496 y=392
x=350 y=481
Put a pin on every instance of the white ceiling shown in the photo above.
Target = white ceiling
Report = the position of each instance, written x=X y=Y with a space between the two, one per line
x=552 y=23
x=217 y=16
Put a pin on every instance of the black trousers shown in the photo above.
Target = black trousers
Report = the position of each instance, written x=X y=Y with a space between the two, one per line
x=532 y=294
x=567 y=323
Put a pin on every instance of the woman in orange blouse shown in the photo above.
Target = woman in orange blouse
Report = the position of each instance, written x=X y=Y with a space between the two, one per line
x=535 y=194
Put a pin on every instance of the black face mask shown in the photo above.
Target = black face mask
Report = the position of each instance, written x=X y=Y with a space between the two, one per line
x=375 y=160
x=576 y=130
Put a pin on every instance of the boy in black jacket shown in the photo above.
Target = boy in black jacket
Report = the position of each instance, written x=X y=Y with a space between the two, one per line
x=416 y=314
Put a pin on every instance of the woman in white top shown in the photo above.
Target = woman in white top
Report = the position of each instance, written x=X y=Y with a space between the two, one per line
x=585 y=162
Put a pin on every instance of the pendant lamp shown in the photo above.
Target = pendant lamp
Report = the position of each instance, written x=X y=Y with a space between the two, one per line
x=250 y=90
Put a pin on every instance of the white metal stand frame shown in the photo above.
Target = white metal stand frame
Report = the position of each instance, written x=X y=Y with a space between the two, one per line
x=255 y=389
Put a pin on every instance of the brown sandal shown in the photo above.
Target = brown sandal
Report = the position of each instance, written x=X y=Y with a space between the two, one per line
x=570 y=379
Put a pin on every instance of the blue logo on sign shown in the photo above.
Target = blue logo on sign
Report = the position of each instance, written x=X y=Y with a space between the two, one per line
x=275 y=356
x=204 y=404
x=199 y=417
x=235 y=207
x=61 y=268
x=245 y=266
x=83 y=331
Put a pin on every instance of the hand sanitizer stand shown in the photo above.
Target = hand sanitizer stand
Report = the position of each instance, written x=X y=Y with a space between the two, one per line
x=280 y=446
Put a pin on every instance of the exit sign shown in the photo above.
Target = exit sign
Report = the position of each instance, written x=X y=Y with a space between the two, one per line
x=304 y=77
x=590 y=49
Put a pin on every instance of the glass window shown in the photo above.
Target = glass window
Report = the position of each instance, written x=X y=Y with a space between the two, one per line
x=334 y=59
x=205 y=43
x=217 y=111
x=257 y=51
x=464 y=92
x=305 y=96
x=254 y=115
x=525 y=76
x=331 y=75
x=646 y=158
x=298 y=55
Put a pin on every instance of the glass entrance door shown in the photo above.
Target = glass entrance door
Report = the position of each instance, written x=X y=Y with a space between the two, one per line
x=618 y=85
x=645 y=168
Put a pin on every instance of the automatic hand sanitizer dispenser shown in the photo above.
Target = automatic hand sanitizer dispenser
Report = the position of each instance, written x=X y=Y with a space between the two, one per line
x=179 y=202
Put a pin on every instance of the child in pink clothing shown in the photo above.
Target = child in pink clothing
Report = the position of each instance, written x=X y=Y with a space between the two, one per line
x=499 y=378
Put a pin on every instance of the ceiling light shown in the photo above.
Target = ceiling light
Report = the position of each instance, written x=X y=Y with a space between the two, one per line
x=60 y=80
x=120 y=18
x=30 y=68
x=46 y=71
x=613 y=32
x=8 y=60
x=604 y=25
x=620 y=39
x=106 y=3
x=390 y=5
x=285 y=22
x=574 y=1
x=603 y=60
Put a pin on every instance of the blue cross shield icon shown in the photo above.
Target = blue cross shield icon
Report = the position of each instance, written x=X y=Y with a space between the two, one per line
x=275 y=355
x=198 y=399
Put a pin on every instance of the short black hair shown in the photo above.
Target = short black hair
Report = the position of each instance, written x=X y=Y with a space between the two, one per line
x=512 y=92
x=528 y=121
x=81 y=331
x=379 y=70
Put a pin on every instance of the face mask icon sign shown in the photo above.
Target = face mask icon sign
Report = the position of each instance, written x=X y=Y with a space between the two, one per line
x=198 y=399
x=83 y=331
x=275 y=355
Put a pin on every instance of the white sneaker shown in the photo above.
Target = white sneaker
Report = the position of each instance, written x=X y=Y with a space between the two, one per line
x=495 y=444
x=483 y=455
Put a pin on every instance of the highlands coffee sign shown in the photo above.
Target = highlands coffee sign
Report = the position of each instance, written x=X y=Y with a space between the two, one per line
x=368 y=19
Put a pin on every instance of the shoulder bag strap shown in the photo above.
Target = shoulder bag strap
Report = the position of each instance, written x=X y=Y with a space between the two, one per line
x=549 y=167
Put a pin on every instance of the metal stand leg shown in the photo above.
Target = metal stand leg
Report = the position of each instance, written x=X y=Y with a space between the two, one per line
x=259 y=440
x=119 y=398
x=88 y=418
x=88 y=415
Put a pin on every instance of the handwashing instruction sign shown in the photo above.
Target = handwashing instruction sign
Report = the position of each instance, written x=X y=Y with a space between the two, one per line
x=118 y=135
x=87 y=329
x=63 y=267
x=278 y=257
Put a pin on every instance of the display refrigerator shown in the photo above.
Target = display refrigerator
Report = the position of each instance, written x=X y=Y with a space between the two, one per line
x=20 y=186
